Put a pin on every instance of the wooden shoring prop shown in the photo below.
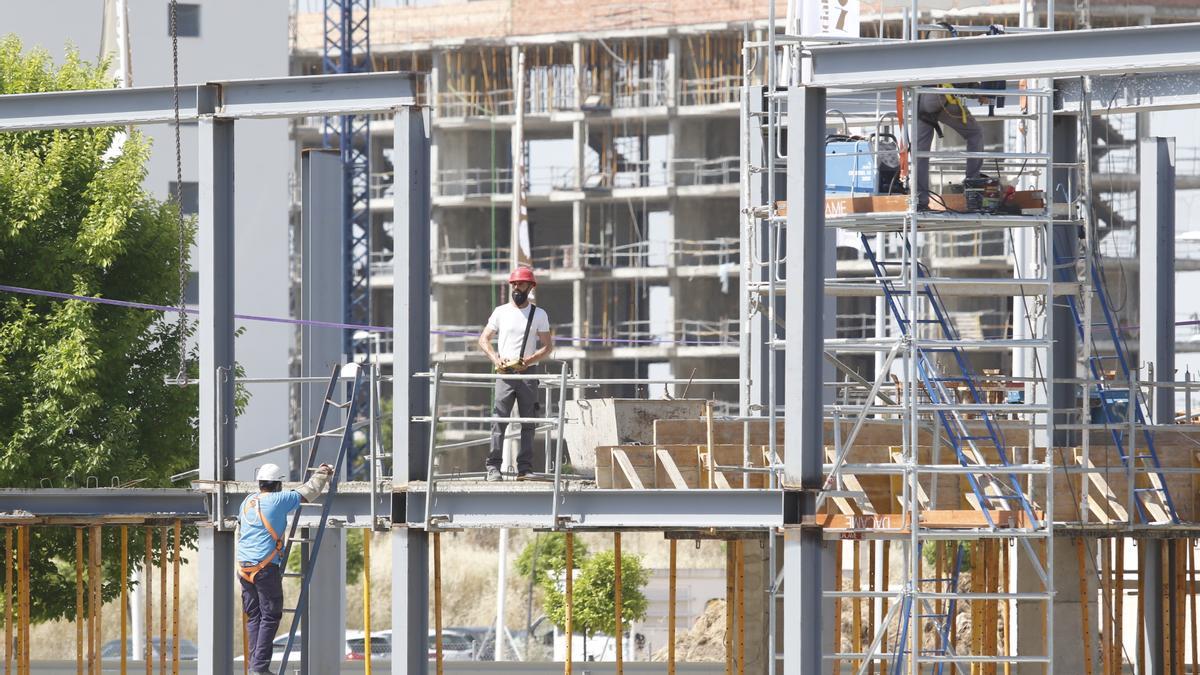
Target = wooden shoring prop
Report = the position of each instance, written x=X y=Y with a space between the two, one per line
x=739 y=553
x=25 y=590
x=856 y=603
x=1118 y=603
x=95 y=582
x=730 y=601
x=124 y=580
x=367 y=598
x=620 y=632
x=79 y=604
x=837 y=605
x=883 y=608
x=671 y=588
x=162 y=599
x=1006 y=607
x=1141 y=613
x=871 y=573
x=570 y=593
x=8 y=600
x=1191 y=545
x=1106 y=615
x=148 y=587
x=1084 y=597
x=437 y=602
x=178 y=532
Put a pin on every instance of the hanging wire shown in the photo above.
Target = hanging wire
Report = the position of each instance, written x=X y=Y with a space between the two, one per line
x=181 y=329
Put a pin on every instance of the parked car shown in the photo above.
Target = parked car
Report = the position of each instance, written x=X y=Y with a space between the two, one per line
x=280 y=643
x=111 y=650
x=457 y=645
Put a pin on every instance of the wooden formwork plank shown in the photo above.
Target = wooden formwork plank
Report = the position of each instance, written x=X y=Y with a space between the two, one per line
x=627 y=472
x=667 y=467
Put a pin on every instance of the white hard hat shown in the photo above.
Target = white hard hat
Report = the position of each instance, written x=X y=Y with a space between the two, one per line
x=270 y=472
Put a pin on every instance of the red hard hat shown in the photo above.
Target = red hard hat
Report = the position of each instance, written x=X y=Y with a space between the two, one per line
x=522 y=274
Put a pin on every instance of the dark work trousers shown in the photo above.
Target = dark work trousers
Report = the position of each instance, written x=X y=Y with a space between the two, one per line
x=263 y=603
x=948 y=115
x=525 y=394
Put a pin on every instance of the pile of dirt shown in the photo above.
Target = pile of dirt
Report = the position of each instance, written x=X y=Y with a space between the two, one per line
x=706 y=639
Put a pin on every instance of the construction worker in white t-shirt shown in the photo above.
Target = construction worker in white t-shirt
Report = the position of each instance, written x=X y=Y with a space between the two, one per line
x=522 y=332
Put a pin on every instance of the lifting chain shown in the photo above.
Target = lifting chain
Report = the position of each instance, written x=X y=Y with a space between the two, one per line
x=182 y=377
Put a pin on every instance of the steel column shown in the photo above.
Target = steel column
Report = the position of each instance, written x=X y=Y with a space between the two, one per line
x=804 y=552
x=217 y=414
x=322 y=298
x=1156 y=251
x=410 y=563
x=1066 y=242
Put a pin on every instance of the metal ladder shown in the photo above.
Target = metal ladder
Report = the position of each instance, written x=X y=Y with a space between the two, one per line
x=946 y=619
x=307 y=563
x=967 y=447
x=1119 y=430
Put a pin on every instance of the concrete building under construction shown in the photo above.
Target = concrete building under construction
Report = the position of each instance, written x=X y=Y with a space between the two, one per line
x=951 y=437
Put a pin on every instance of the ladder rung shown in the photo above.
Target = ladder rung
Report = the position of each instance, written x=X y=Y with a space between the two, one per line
x=336 y=404
x=293 y=574
x=310 y=505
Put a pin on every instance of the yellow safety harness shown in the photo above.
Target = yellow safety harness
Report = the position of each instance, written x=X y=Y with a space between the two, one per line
x=249 y=572
x=951 y=99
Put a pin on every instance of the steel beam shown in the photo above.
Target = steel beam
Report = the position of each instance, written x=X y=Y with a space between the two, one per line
x=410 y=306
x=804 y=554
x=351 y=507
x=217 y=412
x=94 y=503
x=233 y=99
x=1135 y=92
x=1110 y=51
x=500 y=506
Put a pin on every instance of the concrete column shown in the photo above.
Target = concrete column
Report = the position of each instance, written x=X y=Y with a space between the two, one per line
x=410 y=561
x=1151 y=560
x=217 y=415
x=807 y=559
x=323 y=282
x=1067 y=630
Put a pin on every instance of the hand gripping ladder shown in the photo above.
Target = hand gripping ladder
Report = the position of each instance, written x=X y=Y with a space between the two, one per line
x=308 y=564
x=967 y=446
x=1120 y=431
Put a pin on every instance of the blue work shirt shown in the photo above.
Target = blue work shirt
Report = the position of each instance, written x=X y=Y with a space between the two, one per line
x=254 y=541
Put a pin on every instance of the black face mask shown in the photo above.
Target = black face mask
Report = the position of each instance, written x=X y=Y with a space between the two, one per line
x=520 y=297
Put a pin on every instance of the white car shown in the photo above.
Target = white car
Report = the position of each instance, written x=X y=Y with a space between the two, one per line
x=456 y=646
x=281 y=641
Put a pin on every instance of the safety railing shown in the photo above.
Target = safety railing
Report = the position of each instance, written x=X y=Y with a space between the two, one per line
x=473 y=182
x=716 y=171
x=475 y=104
x=710 y=90
x=972 y=244
x=463 y=260
x=719 y=251
x=381 y=184
x=717 y=333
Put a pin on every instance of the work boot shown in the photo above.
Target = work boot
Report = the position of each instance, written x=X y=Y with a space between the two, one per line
x=525 y=475
x=261 y=672
x=493 y=475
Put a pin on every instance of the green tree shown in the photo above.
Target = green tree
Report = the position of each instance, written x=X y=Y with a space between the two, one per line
x=545 y=556
x=354 y=555
x=595 y=595
x=82 y=393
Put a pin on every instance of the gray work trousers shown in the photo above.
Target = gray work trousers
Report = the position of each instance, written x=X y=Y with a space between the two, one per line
x=525 y=394
x=948 y=115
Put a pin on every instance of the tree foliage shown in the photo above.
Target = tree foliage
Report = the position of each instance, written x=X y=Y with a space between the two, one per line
x=595 y=595
x=82 y=393
x=545 y=557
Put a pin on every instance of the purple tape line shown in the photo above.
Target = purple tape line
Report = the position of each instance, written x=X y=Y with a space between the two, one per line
x=302 y=322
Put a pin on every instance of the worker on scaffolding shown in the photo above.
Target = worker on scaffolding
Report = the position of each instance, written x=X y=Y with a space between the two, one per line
x=510 y=324
x=934 y=111
x=262 y=523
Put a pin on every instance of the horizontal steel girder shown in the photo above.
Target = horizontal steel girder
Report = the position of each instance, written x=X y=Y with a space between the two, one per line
x=1110 y=51
x=92 y=504
x=1135 y=92
x=235 y=99
x=602 y=509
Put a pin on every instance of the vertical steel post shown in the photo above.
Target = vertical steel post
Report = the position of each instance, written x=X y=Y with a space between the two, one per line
x=1156 y=251
x=215 y=267
x=410 y=564
x=804 y=552
x=1066 y=243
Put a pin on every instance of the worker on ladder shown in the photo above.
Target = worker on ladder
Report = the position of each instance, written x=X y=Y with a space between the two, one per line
x=511 y=324
x=262 y=523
